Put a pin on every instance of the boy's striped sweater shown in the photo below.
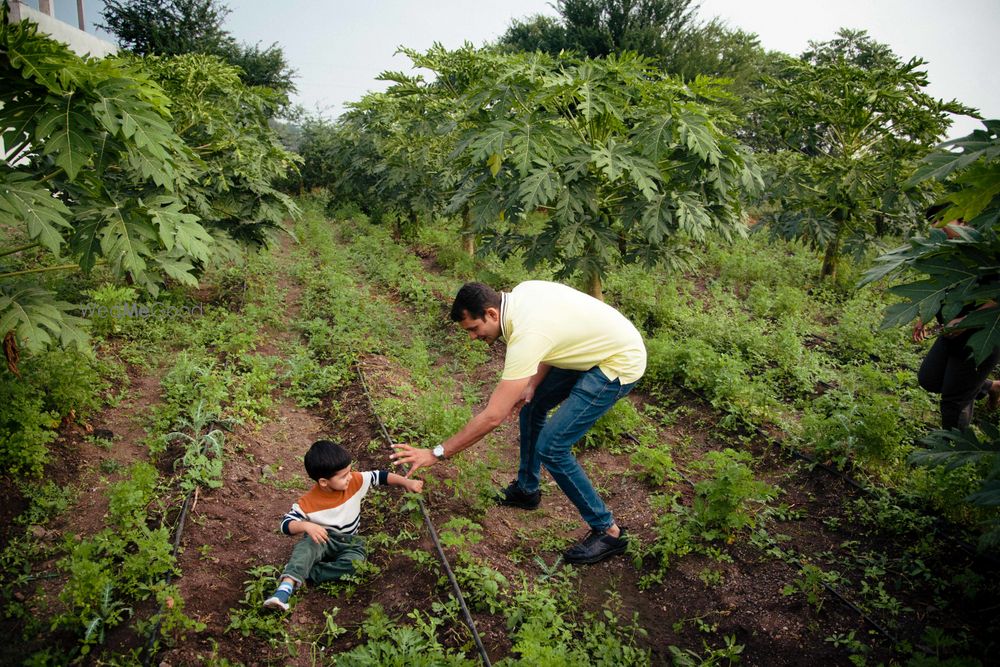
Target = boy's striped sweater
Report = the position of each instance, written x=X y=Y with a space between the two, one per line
x=335 y=510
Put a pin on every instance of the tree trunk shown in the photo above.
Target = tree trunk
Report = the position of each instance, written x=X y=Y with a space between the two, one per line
x=468 y=236
x=594 y=286
x=832 y=254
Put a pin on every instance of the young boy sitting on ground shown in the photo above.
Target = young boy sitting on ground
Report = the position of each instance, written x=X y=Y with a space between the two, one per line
x=328 y=515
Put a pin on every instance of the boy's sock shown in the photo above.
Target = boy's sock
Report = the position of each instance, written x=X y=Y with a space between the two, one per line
x=279 y=600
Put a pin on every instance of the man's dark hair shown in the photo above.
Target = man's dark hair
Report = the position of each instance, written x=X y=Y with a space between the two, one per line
x=474 y=299
x=325 y=458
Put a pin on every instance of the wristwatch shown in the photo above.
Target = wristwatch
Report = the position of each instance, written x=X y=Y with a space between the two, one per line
x=438 y=452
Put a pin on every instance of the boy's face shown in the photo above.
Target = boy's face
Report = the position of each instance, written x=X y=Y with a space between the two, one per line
x=338 y=481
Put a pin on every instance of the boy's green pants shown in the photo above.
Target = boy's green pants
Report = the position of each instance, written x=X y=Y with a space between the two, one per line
x=324 y=562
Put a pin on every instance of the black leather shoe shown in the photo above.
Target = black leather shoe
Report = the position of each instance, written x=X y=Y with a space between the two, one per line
x=513 y=496
x=597 y=546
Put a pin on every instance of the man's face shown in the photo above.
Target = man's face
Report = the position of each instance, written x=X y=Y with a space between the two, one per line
x=338 y=481
x=486 y=329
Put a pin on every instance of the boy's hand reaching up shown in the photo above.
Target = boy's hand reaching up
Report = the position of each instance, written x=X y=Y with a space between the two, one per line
x=414 y=485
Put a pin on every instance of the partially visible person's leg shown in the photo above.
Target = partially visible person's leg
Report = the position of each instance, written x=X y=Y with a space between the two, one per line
x=305 y=554
x=963 y=382
x=932 y=368
x=591 y=396
x=551 y=392
x=343 y=551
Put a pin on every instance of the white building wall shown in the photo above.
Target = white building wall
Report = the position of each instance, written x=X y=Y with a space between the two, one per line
x=80 y=42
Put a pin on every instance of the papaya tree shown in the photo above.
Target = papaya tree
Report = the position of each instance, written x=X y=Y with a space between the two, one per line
x=848 y=125
x=94 y=171
x=625 y=163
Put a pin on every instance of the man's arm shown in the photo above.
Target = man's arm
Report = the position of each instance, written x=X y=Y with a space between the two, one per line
x=505 y=397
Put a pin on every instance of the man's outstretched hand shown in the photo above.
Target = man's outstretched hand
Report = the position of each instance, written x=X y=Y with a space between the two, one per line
x=414 y=457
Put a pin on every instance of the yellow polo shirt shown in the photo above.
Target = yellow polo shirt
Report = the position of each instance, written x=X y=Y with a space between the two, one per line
x=544 y=322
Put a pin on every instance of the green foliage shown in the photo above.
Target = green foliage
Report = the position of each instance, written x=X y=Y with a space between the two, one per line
x=612 y=430
x=654 y=464
x=53 y=385
x=484 y=587
x=547 y=629
x=26 y=429
x=961 y=266
x=178 y=27
x=869 y=426
x=225 y=123
x=47 y=501
x=99 y=171
x=674 y=536
x=610 y=150
x=727 y=654
x=203 y=451
x=119 y=566
x=391 y=645
x=847 y=138
x=724 y=503
x=308 y=380
x=810 y=583
x=251 y=618
x=666 y=31
x=954 y=449
x=108 y=297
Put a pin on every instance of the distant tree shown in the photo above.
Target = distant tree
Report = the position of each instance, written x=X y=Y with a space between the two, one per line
x=847 y=138
x=166 y=27
x=853 y=47
x=596 y=28
x=665 y=31
x=651 y=28
x=265 y=67
x=178 y=27
x=536 y=33
x=713 y=49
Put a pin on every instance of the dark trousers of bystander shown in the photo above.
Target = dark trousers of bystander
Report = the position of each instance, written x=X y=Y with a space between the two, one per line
x=949 y=370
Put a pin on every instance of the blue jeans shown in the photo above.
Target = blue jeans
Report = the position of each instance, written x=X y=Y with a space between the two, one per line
x=585 y=396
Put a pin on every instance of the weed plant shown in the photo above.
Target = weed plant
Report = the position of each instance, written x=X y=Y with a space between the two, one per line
x=53 y=386
x=124 y=563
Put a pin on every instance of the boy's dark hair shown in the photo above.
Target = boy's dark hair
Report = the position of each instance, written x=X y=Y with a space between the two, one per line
x=474 y=299
x=326 y=458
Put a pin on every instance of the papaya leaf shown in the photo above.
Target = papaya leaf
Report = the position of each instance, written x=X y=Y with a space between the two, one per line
x=66 y=134
x=24 y=199
x=38 y=319
x=988 y=494
x=987 y=337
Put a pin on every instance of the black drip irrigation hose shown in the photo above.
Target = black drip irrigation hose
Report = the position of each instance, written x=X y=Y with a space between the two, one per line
x=941 y=525
x=430 y=528
x=151 y=643
x=790 y=559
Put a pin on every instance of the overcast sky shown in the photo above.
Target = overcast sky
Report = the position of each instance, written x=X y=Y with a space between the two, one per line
x=338 y=47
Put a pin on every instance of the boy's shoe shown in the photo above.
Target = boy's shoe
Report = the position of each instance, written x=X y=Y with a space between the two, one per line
x=597 y=546
x=279 y=600
x=513 y=496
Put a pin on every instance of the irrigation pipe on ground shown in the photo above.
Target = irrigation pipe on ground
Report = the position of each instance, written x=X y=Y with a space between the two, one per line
x=430 y=528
